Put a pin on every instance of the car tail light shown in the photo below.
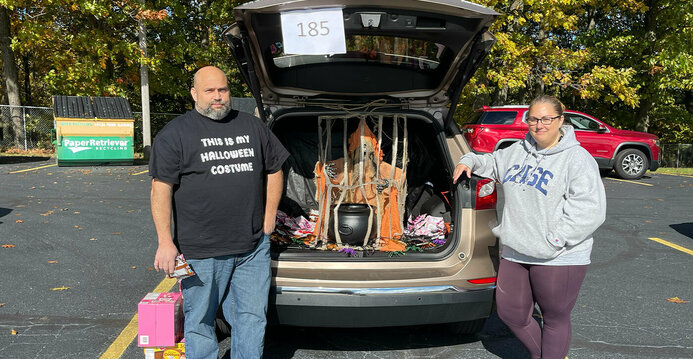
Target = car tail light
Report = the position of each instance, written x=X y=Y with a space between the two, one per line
x=488 y=280
x=472 y=131
x=486 y=195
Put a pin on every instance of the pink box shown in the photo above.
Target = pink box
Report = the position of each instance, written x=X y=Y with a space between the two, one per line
x=160 y=320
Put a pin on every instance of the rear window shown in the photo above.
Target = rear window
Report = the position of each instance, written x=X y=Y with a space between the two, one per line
x=387 y=50
x=496 y=118
x=393 y=58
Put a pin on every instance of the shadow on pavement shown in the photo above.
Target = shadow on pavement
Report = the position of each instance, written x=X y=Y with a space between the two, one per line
x=684 y=228
x=4 y=212
x=22 y=159
x=283 y=342
x=499 y=340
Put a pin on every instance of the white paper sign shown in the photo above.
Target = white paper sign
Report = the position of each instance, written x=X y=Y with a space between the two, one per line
x=313 y=32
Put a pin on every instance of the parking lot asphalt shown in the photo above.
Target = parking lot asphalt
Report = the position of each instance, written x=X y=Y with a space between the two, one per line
x=82 y=245
x=78 y=245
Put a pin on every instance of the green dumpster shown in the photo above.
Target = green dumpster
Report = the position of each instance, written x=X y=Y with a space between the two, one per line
x=93 y=131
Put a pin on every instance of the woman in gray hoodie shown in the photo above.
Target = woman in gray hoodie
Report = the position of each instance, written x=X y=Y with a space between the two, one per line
x=554 y=201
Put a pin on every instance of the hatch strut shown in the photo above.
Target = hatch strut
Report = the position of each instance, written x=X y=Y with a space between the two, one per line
x=249 y=73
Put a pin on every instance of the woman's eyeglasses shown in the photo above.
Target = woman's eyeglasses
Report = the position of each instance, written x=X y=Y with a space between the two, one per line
x=546 y=120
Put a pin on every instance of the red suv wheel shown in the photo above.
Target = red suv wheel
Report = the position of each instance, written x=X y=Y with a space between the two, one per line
x=631 y=164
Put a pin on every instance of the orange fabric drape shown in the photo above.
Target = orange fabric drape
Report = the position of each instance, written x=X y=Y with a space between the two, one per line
x=374 y=171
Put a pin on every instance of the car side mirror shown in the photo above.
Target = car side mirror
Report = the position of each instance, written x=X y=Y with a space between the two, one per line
x=602 y=129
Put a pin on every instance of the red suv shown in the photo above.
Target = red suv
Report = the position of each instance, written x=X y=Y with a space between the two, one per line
x=629 y=153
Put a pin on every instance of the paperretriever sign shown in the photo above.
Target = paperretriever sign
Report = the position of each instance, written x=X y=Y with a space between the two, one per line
x=313 y=32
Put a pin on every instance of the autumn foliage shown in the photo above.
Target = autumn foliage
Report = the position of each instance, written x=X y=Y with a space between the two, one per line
x=628 y=62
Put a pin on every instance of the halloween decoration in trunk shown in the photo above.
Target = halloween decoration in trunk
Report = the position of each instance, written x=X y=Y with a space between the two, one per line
x=348 y=188
x=361 y=178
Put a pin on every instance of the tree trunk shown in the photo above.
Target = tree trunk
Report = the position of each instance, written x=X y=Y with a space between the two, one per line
x=204 y=30
x=688 y=101
x=3 y=94
x=538 y=81
x=539 y=67
x=643 y=116
x=27 y=80
x=9 y=74
x=649 y=92
x=500 y=97
x=484 y=99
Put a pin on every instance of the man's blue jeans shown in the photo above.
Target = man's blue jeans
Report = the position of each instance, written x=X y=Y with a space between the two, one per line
x=240 y=284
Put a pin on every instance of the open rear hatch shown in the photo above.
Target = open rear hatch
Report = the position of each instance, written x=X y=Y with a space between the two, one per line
x=420 y=53
x=374 y=180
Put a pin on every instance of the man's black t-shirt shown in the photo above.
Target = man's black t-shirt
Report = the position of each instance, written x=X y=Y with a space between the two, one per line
x=218 y=170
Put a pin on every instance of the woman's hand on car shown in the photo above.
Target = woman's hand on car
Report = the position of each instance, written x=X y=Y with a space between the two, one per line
x=459 y=169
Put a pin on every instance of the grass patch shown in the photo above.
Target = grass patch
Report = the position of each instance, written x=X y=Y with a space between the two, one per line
x=14 y=152
x=674 y=171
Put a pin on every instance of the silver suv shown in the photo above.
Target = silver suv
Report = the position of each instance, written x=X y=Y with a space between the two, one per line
x=373 y=146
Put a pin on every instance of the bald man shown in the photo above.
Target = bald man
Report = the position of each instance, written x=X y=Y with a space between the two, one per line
x=218 y=172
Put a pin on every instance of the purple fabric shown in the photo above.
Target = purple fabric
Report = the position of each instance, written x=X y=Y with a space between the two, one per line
x=555 y=289
x=297 y=227
x=426 y=226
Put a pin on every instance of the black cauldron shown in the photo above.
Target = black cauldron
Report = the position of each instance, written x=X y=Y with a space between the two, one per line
x=353 y=223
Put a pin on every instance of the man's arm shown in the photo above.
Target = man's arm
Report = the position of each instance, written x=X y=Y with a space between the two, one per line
x=275 y=185
x=165 y=258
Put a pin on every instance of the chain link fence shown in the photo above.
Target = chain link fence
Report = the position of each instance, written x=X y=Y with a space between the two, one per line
x=677 y=155
x=29 y=128
x=25 y=127
x=37 y=123
x=157 y=121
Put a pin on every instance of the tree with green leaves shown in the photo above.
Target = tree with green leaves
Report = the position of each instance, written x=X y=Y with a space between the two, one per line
x=87 y=48
x=77 y=47
x=654 y=42
x=188 y=39
x=628 y=62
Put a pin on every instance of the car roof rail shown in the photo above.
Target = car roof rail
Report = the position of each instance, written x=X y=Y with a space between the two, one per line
x=506 y=106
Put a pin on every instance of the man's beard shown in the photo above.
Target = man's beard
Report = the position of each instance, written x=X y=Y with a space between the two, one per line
x=215 y=114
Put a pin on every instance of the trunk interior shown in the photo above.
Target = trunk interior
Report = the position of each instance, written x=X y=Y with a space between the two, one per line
x=363 y=185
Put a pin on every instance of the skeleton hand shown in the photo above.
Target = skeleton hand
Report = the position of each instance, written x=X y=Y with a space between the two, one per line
x=330 y=170
x=382 y=185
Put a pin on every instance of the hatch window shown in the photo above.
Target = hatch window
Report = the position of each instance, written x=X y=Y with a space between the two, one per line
x=387 y=50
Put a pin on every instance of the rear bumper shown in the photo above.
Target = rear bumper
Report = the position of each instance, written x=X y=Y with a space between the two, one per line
x=379 y=307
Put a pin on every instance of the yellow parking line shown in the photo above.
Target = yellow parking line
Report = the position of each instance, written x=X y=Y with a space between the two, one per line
x=35 y=168
x=122 y=342
x=672 y=245
x=622 y=180
x=673 y=174
x=139 y=173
